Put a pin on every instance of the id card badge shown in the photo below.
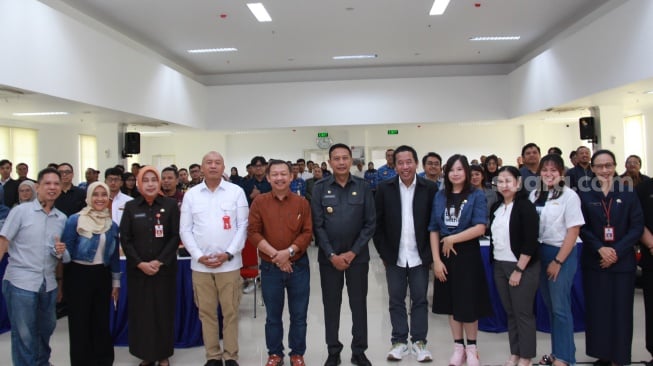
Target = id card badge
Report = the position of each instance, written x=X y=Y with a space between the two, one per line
x=158 y=231
x=226 y=222
x=608 y=233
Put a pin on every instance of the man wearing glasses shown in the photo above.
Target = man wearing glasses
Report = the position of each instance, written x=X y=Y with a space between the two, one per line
x=432 y=163
x=113 y=178
x=72 y=199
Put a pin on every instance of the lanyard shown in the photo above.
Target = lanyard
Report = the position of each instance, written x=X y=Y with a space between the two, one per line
x=606 y=209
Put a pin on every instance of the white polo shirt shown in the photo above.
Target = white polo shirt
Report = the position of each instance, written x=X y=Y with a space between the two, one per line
x=118 y=206
x=558 y=215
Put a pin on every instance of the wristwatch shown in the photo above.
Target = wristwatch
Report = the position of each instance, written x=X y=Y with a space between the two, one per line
x=229 y=256
x=291 y=251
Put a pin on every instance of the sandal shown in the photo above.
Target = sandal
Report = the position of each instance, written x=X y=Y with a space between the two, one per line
x=546 y=360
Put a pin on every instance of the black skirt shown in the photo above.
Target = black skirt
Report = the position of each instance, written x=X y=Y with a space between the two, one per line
x=465 y=294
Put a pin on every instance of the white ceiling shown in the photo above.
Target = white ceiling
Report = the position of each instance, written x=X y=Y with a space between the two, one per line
x=305 y=34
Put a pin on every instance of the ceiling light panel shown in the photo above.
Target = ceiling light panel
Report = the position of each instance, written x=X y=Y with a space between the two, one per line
x=213 y=50
x=494 y=38
x=354 y=57
x=259 y=12
x=439 y=7
x=28 y=114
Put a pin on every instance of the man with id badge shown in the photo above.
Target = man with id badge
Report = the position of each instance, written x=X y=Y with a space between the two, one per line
x=213 y=229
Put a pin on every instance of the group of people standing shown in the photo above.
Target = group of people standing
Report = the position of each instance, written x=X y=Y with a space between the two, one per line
x=418 y=223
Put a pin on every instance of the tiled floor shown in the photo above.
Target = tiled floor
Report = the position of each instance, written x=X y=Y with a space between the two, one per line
x=493 y=348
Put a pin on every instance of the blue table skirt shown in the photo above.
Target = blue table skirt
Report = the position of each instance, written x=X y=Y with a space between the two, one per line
x=188 y=329
x=497 y=322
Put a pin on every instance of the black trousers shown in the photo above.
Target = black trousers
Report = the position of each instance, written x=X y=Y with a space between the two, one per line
x=88 y=290
x=332 y=281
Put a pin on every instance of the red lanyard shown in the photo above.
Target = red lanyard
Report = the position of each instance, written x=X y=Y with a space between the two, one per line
x=607 y=209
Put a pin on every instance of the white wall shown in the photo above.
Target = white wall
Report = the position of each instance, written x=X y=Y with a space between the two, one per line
x=49 y=52
x=504 y=138
x=58 y=143
x=612 y=51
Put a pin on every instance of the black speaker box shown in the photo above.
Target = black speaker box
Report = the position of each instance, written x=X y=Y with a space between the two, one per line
x=132 y=143
x=586 y=125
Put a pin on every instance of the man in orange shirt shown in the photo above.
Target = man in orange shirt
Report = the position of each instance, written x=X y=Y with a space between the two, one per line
x=280 y=226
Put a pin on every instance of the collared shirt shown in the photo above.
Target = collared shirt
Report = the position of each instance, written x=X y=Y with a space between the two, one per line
x=408 y=254
x=385 y=172
x=306 y=175
x=263 y=186
x=501 y=233
x=558 y=215
x=372 y=178
x=71 y=201
x=344 y=218
x=118 y=206
x=298 y=187
x=31 y=233
x=439 y=181
x=213 y=223
x=281 y=222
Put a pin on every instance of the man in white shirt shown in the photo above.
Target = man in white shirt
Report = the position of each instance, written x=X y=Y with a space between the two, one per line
x=213 y=228
x=403 y=212
x=113 y=178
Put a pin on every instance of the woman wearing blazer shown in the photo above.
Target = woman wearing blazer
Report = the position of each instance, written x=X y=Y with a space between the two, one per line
x=613 y=225
x=513 y=243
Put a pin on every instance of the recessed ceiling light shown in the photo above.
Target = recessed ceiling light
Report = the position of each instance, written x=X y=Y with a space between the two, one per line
x=495 y=38
x=211 y=50
x=439 y=6
x=259 y=12
x=27 y=114
x=354 y=57
x=649 y=92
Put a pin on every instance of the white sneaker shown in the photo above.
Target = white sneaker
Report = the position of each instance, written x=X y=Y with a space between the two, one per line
x=398 y=351
x=421 y=353
x=472 y=355
x=249 y=288
x=458 y=355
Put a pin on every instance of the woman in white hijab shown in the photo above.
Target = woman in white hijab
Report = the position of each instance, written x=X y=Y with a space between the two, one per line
x=92 y=278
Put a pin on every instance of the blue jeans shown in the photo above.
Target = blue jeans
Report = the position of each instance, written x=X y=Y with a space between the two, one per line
x=33 y=319
x=557 y=297
x=417 y=280
x=274 y=283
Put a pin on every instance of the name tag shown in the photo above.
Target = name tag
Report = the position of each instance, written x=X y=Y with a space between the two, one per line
x=140 y=215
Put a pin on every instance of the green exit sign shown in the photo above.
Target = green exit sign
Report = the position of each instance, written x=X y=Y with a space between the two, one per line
x=393 y=132
x=322 y=134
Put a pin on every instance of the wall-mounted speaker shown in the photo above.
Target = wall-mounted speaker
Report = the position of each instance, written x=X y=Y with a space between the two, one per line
x=132 y=143
x=586 y=126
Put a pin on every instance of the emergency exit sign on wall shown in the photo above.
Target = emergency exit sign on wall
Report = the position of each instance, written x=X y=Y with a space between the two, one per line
x=393 y=132
x=322 y=134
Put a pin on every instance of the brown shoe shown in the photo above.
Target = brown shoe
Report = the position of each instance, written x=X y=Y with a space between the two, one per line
x=297 y=360
x=274 y=360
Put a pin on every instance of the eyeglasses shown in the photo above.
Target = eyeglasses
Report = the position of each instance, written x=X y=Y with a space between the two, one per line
x=113 y=180
x=633 y=163
x=258 y=166
x=602 y=166
x=432 y=163
x=65 y=172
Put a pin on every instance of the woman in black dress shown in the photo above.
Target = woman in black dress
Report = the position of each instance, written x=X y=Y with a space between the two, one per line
x=149 y=233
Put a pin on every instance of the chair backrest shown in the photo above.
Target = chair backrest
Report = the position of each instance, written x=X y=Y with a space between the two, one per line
x=250 y=255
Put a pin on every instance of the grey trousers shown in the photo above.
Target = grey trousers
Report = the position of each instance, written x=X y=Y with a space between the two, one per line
x=518 y=303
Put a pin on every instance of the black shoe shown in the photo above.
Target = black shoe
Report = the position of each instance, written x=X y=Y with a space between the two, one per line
x=230 y=363
x=360 y=360
x=213 y=363
x=333 y=360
